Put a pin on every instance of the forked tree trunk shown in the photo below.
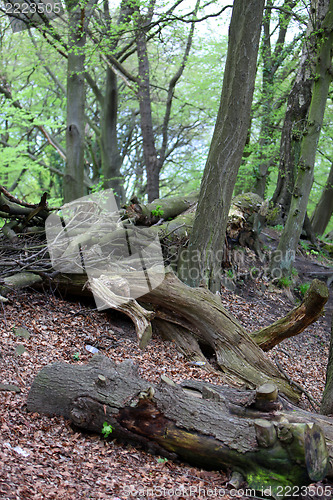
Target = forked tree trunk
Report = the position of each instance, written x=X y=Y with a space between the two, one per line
x=201 y=315
x=272 y=443
x=197 y=322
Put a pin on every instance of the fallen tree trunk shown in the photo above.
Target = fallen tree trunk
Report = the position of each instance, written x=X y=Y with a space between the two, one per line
x=164 y=208
x=17 y=281
x=200 y=326
x=200 y=314
x=296 y=320
x=175 y=218
x=197 y=322
x=273 y=444
x=169 y=219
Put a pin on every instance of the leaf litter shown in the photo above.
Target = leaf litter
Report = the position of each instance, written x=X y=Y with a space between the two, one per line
x=45 y=458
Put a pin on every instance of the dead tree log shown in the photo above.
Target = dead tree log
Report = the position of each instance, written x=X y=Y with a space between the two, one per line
x=296 y=320
x=200 y=314
x=17 y=281
x=197 y=322
x=271 y=443
x=175 y=218
x=164 y=208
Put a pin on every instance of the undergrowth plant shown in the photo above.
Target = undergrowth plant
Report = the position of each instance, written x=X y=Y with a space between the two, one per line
x=303 y=288
x=284 y=282
x=158 y=211
x=107 y=429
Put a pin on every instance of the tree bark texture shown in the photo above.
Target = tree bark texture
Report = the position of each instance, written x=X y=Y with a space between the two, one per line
x=298 y=105
x=296 y=320
x=73 y=186
x=324 y=209
x=284 y=256
x=269 y=441
x=227 y=145
x=110 y=155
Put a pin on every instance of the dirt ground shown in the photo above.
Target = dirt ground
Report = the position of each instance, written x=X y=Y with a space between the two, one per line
x=45 y=458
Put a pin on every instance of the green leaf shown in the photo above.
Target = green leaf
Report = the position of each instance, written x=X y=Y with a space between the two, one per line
x=107 y=429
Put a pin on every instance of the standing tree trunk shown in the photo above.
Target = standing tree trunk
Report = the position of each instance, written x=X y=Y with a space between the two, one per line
x=284 y=256
x=324 y=209
x=292 y=131
x=227 y=146
x=154 y=159
x=111 y=159
x=298 y=105
x=266 y=129
x=272 y=61
x=149 y=149
x=73 y=186
x=110 y=152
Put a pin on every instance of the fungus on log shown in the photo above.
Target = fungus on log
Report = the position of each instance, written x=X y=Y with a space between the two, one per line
x=269 y=441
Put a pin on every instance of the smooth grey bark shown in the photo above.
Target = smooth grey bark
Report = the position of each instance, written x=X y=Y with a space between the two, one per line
x=298 y=105
x=227 y=146
x=73 y=186
x=324 y=209
x=284 y=256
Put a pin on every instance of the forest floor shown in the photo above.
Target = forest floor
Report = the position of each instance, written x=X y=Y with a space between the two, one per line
x=45 y=458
